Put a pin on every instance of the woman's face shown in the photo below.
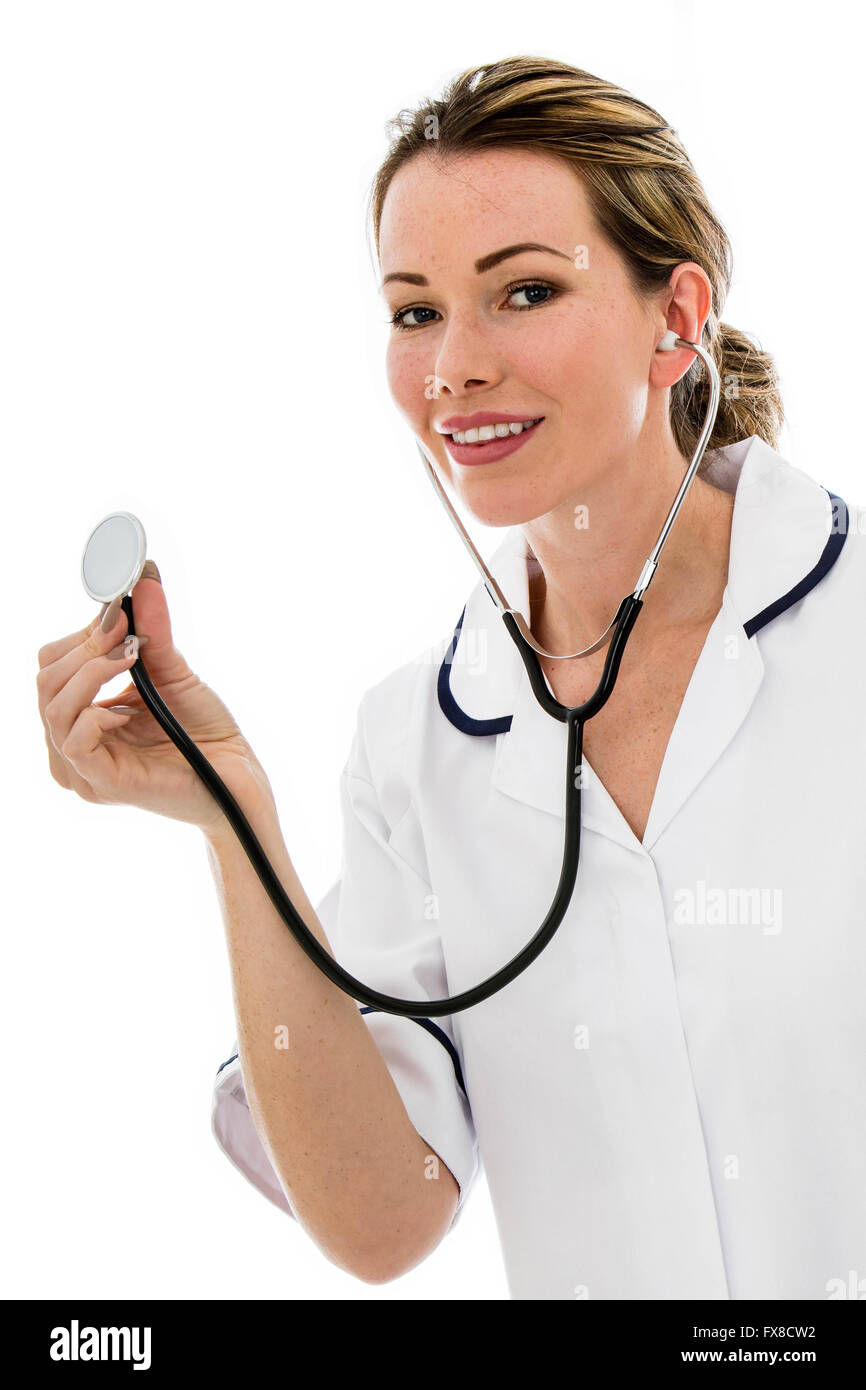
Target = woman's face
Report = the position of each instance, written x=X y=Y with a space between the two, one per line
x=557 y=334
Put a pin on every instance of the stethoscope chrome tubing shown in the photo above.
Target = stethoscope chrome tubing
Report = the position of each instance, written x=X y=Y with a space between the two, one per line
x=652 y=561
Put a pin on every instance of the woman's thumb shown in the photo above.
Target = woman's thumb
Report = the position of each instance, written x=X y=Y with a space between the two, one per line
x=111 y=611
x=150 y=612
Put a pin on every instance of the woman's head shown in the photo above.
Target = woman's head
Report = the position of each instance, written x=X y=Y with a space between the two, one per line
x=531 y=150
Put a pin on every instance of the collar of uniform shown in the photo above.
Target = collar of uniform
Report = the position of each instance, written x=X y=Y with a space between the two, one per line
x=783 y=541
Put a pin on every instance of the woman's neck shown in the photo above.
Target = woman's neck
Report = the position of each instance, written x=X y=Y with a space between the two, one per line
x=579 y=577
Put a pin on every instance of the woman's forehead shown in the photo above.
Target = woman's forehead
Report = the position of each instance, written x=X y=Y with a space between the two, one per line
x=457 y=209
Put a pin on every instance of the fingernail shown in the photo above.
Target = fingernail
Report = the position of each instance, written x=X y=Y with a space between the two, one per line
x=150 y=571
x=112 y=614
x=128 y=647
x=95 y=622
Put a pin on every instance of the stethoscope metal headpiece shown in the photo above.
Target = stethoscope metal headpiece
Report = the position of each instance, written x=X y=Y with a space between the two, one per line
x=669 y=343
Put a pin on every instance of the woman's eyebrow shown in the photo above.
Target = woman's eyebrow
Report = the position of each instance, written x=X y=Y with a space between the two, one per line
x=410 y=277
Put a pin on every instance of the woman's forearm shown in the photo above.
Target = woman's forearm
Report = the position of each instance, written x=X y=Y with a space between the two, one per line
x=324 y=1106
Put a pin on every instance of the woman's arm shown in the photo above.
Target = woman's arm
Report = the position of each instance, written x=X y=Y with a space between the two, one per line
x=325 y=1107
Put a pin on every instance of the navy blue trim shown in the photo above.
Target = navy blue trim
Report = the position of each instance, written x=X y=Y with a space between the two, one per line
x=437 y=1033
x=225 y=1064
x=829 y=555
x=449 y=706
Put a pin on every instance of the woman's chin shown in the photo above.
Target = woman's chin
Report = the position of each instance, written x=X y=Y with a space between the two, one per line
x=502 y=507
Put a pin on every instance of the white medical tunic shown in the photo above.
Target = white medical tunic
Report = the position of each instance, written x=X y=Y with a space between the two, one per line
x=670 y=1102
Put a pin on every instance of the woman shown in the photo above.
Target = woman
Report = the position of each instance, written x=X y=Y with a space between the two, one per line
x=669 y=1101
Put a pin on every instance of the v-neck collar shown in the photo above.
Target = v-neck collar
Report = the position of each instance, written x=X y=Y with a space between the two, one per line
x=786 y=533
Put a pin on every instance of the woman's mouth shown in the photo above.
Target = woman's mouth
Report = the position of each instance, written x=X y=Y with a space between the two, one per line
x=481 y=450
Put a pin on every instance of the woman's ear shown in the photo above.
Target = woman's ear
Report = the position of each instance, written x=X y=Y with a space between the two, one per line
x=689 y=301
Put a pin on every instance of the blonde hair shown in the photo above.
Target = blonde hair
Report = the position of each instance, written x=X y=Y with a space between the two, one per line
x=646 y=197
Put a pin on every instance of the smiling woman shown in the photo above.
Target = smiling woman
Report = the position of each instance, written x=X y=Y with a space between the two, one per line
x=543 y=241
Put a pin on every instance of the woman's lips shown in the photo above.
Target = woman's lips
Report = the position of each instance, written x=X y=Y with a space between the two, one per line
x=492 y=450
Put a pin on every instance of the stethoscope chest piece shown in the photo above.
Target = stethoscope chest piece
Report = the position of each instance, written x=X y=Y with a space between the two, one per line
x=113 y=557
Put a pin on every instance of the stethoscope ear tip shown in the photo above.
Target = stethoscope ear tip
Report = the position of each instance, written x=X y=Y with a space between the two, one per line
x=668 y=342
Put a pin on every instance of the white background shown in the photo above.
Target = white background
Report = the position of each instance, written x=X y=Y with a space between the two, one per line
x=190 y=330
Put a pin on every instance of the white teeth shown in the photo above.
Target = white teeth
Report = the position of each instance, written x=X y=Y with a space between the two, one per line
x=485 y=432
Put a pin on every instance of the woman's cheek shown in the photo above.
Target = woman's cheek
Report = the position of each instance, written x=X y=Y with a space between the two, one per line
x=552 y=358
x=404 y=373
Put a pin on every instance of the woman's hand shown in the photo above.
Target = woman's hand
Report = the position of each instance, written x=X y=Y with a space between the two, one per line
x=114 y=751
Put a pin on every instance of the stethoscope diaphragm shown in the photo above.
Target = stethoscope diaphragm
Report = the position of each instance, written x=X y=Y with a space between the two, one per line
x=113 y=557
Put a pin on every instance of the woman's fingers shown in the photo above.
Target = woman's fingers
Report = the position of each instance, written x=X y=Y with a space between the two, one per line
x=53 y=651
x=58 y=661
x=128 y=699
x=63 y=709
x=73 y=668
x=71 y=671
x=84 y=749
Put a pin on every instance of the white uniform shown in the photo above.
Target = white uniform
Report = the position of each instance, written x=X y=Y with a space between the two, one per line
x=671 y=1101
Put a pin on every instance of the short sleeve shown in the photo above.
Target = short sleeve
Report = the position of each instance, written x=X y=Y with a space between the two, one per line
x=380 y=920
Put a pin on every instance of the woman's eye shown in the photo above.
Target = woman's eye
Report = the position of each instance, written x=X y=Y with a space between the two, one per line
x=398 y=319
x=530 y=288
x=401 y=318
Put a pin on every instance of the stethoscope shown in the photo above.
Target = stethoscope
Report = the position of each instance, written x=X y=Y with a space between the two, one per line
x=111 y=566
